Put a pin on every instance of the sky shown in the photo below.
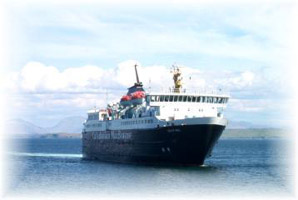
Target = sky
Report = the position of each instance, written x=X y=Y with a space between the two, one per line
x=65 y=57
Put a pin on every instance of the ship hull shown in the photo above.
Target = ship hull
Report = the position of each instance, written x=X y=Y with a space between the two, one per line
x=184 y=144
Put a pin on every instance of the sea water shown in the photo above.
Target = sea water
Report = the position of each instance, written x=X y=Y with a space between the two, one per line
x=238 y=167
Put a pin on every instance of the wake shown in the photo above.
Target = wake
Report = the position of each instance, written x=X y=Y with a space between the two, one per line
x=55 y=155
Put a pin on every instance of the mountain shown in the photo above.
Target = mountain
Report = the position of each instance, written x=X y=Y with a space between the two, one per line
x=25 y=128
x=22 y=127
x=74 y=124
x=256 y=133
x=239 y=125
x=245 y=125
x=68 y=125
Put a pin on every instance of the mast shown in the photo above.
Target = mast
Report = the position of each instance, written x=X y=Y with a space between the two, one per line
x=177 y=79
x=137 y=76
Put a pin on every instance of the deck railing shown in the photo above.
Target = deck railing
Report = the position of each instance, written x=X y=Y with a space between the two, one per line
x=189 y=90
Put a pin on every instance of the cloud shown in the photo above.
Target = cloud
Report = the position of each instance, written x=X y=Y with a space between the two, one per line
x=253 y=31
x=36 y=77
x=46 y=91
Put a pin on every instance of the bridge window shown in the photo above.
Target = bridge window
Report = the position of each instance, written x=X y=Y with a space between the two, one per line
x=167 y=98
x=180 y=98
x=157 y=98
x=152 y=98
x=175 y=98
x=189 y=98
x=162 y=98
x=209 y=99
x=171 y=98
x=184 y=98
x=203 y=99
x=214 y=100
x=193 y=99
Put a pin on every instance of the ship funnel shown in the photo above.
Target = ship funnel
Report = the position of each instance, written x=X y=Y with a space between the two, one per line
x=138 y=86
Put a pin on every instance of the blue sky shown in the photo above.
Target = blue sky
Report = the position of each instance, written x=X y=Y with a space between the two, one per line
x=64 y=56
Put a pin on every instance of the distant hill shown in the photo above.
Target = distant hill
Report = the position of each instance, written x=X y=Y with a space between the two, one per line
x=255 y=133
x=19 y=127
x=245 y=125
x=22 y=127
x=74 y=125
x=68 y=125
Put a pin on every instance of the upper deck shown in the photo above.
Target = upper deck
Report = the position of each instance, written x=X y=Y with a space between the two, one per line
x=194 y=96
x=171 y=104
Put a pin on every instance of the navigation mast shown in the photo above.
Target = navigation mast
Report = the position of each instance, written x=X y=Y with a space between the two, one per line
x=177 y=79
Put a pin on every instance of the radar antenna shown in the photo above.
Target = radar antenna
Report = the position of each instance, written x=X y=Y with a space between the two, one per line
x=177 y=78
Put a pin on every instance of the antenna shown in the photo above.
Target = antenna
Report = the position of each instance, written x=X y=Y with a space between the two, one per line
x=137 y=76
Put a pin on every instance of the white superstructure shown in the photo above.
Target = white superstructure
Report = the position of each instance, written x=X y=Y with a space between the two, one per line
x=155 y=109
x=171 y=106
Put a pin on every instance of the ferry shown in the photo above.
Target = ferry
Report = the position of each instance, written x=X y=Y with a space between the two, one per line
x=166 y=127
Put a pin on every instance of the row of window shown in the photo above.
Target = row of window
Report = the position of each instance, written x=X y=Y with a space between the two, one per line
x=93 y=125
x=144 y=121
x=108 y=132
x=93 y=116
x=176 y=98
x=177 y=109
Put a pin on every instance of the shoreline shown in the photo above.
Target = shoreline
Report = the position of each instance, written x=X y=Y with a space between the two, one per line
x=227 y=134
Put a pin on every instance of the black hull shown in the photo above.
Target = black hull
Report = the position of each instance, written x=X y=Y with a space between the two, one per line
x=187 y=145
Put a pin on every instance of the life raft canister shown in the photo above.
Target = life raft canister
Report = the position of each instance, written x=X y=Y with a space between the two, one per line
x=138 y=95
x=137 y=98
x=126 y=98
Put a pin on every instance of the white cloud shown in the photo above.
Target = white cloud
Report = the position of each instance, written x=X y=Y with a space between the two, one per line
x=254 y=31
x=46 y=90
x=242 y=79
x=36 y=77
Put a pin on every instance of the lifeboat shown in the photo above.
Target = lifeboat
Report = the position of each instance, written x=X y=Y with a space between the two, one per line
x=138 y=97
x=125 y=100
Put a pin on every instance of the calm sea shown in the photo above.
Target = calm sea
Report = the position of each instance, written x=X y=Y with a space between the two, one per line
x=238 y=167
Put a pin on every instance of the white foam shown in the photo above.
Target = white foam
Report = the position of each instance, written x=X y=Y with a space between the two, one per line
x=60 y=155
